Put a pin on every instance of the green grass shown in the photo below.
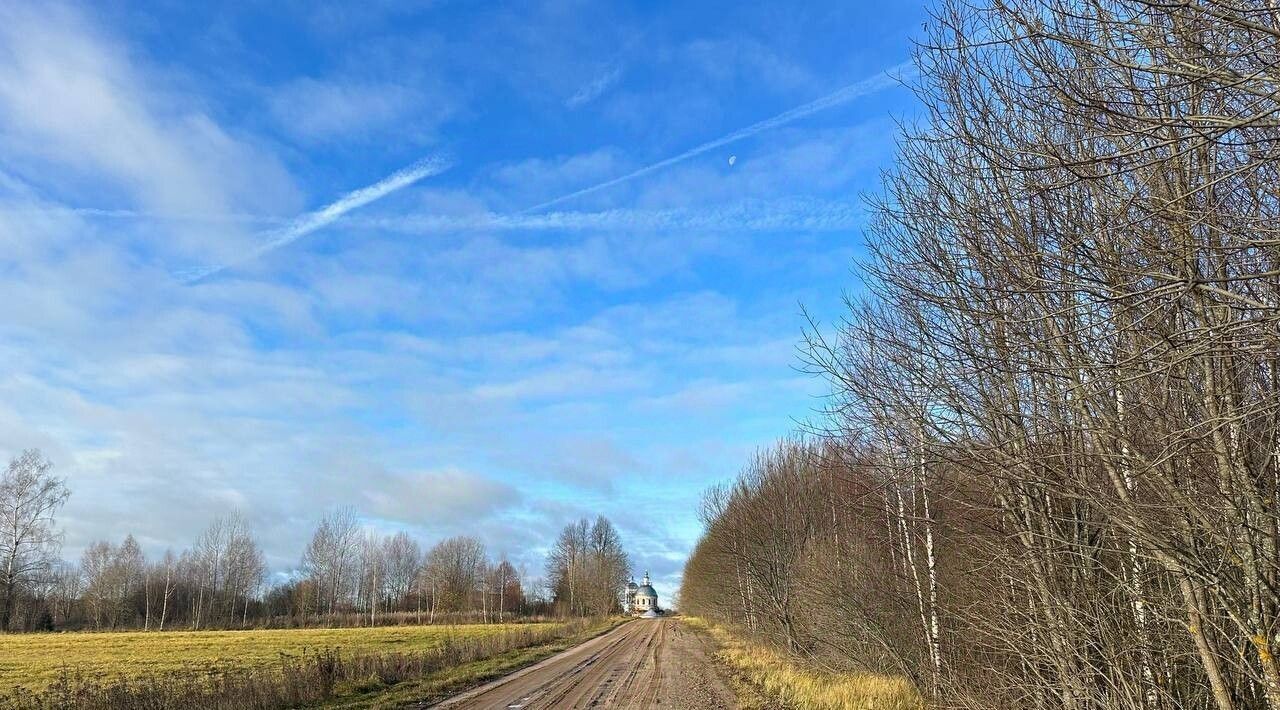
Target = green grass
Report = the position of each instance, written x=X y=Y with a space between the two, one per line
x=36 y=660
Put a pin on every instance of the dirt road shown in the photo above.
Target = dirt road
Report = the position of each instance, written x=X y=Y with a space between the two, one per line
x=646 y=663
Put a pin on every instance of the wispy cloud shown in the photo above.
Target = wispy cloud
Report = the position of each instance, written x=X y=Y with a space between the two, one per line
x=78 y=113
x=807 y=214
x=312 y=221
x=593 y=89
x=342 y=109
x=870 y=85
x=493 y=380
x=799 y=214
x=315 y=109
x=259 y=220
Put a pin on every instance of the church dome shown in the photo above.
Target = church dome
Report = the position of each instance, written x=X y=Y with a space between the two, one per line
x=645 y=599
x=645 y=589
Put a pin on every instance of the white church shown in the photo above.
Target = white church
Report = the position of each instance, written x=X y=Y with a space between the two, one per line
x=642 y=600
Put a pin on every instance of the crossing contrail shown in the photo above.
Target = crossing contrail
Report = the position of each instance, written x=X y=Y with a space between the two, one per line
x=870 y=85
x=305 y=224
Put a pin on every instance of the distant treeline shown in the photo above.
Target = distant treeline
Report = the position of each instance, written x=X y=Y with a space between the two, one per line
x=346 y=575
x=1049 y=476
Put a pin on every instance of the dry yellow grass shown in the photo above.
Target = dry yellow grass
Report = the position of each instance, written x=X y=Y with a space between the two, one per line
x=778 y=677
x=34 y=660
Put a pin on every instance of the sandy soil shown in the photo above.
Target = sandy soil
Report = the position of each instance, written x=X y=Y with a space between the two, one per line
x=647 y=663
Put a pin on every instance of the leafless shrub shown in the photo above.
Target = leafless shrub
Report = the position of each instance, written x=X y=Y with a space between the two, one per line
x=1064 y=381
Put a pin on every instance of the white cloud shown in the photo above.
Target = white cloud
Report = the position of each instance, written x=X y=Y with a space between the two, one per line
x=517 y=182
x=592 y=90
x=740 y=58
x=342 y=110
x=561 y=383
x=69 y=96
x=698 y=396
x=443 y=500
x=498 y=376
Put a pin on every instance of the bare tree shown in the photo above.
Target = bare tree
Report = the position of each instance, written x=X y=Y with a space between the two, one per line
x=587 y=568
x=229 y=566
x=609 y=568
x=66 y=591
x=165 y=571
x=331 y=556
x=567 y=565
x=95 y=565
x=403 y=563
x=129 y=568
x=1063 y=380
x=373 y=575
x=30 y=496
x=219 y=582
x=455 y=569
x=505 y=582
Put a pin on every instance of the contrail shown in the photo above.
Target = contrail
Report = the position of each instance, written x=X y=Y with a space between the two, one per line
x=803 y=214
x=305 y=224
x=199 y=217
x=862 y=88
x=752 y=215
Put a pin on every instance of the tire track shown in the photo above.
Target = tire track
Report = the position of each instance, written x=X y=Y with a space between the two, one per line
x=591 y=689
x=554 y=690
x=635 y=666
x=641 y=664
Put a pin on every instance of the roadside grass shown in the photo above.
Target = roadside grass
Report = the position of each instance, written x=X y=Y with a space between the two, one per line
x=372 y=695
x=35 y=661
x=768 y=678
x=347 y=668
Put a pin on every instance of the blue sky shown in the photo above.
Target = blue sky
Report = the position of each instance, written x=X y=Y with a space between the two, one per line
x=449 y=358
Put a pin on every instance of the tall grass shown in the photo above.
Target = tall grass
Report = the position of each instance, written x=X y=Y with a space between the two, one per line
x=787 y=681
x=312 y=677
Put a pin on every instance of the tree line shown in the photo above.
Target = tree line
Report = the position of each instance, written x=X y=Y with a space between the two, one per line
x=1048 y=474
x=347 y=573
x=587 y=569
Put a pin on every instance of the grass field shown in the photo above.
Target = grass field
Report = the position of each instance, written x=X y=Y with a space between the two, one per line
x=35 y=660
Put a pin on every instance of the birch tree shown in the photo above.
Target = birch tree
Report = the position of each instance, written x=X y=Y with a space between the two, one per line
x=454 y=567
x=403 y=562
x=331 y=556
x=30 y=497
x=587 y=568
x=1065 y=364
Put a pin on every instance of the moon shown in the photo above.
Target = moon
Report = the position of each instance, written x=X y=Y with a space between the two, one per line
x=732 y=159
